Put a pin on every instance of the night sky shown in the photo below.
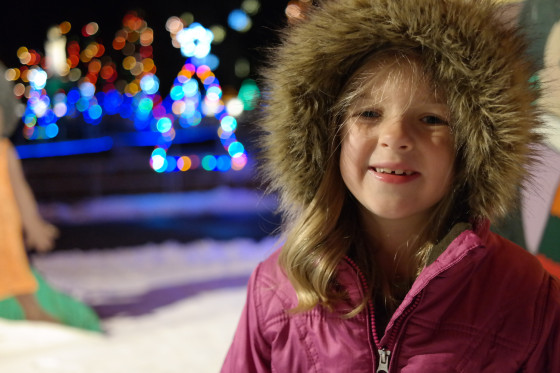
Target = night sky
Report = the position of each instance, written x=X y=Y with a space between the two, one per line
x=25 y=23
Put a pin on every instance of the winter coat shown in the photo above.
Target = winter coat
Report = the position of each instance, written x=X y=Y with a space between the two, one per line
x=484 y=305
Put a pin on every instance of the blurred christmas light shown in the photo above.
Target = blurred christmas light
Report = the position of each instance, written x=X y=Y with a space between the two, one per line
x=91 y=86
x=239 y=21
x=251 y=7
x=37 y=78
x=150 y=84
x=195 y=41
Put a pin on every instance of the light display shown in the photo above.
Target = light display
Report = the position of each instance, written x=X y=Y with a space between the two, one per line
x=84 y=80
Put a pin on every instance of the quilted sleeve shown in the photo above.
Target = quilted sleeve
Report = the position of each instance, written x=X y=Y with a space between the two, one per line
x=249 y=351
x=545 y=357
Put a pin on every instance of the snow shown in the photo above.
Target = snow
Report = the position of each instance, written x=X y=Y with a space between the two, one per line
x=191 y=334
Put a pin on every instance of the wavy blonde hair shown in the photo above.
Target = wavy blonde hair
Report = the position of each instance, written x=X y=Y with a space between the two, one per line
x=328 y=228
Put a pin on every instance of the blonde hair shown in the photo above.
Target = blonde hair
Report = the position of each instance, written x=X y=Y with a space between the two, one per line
x=328 y=227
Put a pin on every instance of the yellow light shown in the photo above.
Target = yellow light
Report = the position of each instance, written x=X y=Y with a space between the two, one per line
x=21 y=50
x=184 y=163
x=148 y=64
x=129 y=62
x=132 y=88
x=12 y=74
x=65 y=27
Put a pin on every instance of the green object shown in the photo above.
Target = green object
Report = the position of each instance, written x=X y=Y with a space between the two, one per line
x=550 y=243
x=511 y=227
x=65 y=308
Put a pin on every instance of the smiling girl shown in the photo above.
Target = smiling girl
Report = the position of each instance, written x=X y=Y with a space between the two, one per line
x=394 y=133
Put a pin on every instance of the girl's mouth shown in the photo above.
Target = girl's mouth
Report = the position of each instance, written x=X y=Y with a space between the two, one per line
x=392 y=172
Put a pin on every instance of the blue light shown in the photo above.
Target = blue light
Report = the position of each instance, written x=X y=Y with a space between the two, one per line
x=238 y=20
x=195 y=119
x=158 y=160
x=229 y=124
x=51 y=130
x=224 y=163
x=177 y=93
x=210 y=60
x=235 y=149
x=73 y=96
x=95 y=112
x=145 y=105
x=159 y=151
x=64 y=148
x=149 y=84
x=164 y=124
x=48 y=117
x=59 y=97
x=112 y=101
x=214 y=93
x=171 y=164
x=190 y=88
x=82 y=104
x=209 y=163
x=39 y=104
x=87 y=89
x=126 y=109
x=29 y=119
x=159 y=163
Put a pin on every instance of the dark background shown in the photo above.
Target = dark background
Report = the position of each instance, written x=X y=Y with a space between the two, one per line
x=126 y=170
x=25 y=23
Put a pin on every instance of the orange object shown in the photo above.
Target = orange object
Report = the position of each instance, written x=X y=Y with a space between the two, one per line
x=555 y=210
x=15 y=274
x=550 y=265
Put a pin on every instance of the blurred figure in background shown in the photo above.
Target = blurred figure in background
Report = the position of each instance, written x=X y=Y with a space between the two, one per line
x=541 y=202
x=23 y=292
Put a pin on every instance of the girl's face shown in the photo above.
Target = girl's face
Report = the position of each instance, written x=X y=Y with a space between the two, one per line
x=397 y=149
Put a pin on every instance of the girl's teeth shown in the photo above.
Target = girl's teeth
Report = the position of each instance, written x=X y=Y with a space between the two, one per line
x=395 y=172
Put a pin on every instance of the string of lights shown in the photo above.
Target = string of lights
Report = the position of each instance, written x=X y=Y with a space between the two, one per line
x=83 y=77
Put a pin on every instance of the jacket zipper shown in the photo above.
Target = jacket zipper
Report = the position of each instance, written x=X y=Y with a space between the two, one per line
x=384 y=352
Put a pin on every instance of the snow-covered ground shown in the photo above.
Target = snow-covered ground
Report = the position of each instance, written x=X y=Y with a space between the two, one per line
x=190 y=334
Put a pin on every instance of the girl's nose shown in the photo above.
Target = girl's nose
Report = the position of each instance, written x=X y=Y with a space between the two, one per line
x=395 y=135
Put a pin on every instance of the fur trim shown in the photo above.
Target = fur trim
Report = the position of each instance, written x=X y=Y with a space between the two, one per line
x=479 y=61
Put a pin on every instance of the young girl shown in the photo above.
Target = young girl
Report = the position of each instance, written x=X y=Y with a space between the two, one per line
x=24 y=294
x=394 y=132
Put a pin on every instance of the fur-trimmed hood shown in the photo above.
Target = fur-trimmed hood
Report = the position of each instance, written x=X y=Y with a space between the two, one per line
x=478 y=59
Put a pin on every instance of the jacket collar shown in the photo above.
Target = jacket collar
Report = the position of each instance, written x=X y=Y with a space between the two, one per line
x=463 y=242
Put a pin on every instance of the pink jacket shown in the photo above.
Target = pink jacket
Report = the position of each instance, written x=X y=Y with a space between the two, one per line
x=485 y=305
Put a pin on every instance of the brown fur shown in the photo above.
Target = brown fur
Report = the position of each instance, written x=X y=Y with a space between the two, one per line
x=478 y=61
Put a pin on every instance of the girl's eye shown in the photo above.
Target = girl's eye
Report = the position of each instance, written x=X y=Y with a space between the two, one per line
x=369 y=114
x=434 y=120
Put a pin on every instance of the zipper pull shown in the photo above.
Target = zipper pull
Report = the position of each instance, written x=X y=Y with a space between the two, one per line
x=384 y=357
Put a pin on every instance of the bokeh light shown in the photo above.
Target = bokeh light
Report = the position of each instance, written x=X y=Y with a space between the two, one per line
x=92 y=83
x=239 y=20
